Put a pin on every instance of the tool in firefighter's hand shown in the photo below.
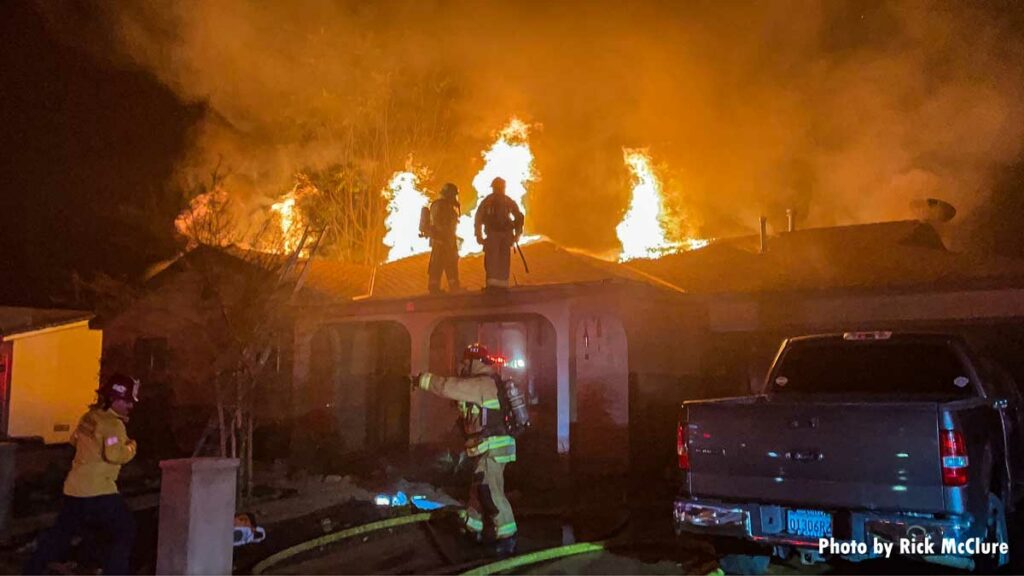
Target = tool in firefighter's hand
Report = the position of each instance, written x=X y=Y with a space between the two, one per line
x=523 y=257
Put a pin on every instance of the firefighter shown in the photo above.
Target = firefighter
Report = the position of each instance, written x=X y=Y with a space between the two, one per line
x=444 y=244
x=498 y=225
x=91 y=499
x=488 y=516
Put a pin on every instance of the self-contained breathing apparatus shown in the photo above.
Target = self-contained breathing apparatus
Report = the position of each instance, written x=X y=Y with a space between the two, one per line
x=513 y=417
x=514 y=413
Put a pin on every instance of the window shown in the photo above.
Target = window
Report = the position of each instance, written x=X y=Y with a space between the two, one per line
x=150 y=355
x=872 y=368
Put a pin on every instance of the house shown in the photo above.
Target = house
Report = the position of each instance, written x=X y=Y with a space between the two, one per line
x=608 y=350
x=49 y=371
x=888 y=275
x=582 y=335
x=181 y=334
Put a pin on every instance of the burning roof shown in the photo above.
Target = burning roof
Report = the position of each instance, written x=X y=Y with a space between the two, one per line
x=899 y=254
x=883 y=255
x=550 y=264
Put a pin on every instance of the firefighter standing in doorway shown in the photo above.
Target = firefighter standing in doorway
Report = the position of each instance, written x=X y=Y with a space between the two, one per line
x=439 y=224
x=481 y=394
x=91 y=499
x=498 y=225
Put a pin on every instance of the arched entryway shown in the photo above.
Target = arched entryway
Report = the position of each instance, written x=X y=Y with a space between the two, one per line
x=528 y=343
x=358 y=380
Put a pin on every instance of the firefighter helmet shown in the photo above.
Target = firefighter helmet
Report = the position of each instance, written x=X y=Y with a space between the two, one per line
x=450 y=191
x=477 y=351
x=119 y=387
x=498 y=184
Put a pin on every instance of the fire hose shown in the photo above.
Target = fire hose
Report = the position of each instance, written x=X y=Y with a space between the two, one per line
x=546 y=555
x=550 y=554
x=293 y=551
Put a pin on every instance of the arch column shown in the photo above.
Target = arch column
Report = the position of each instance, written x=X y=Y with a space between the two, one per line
x=420 y=327
x=560 y=316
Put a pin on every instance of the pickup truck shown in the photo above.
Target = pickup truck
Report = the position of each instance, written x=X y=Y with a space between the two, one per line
x=858 y=440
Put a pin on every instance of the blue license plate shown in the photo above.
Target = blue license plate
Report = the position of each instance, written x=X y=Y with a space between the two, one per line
x=810 y=523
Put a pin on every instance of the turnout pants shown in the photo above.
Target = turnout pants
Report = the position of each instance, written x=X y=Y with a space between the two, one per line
x=489 y=514
x=497 y=260
x=107 y=513
x=444 y=259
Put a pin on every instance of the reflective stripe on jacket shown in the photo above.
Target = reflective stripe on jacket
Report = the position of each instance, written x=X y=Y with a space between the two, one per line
x=101 y=446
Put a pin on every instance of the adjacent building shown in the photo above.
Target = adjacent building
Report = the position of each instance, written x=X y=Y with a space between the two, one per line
x=49 y=371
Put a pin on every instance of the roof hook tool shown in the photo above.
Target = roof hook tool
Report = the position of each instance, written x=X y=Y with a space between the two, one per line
x=522 y=257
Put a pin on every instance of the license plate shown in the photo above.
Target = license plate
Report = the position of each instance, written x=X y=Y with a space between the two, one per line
x=812 y=523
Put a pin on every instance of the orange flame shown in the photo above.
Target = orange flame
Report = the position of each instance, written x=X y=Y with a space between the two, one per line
x=510 y=158
x=644 y=230
x=289 y=220
x=405 y=201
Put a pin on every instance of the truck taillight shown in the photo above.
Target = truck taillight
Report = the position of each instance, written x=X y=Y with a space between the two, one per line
x=681 y=449
x=954 y=458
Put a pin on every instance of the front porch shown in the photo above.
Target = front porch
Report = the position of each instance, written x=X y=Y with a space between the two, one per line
x=566 y=343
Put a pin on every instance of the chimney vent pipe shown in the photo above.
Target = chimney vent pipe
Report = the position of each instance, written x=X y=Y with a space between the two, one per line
x=764 y=235
x=790 y=220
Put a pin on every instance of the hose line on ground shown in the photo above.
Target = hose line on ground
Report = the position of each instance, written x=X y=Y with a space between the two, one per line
x=293 y=551
x=537 y=557
x=550 y=554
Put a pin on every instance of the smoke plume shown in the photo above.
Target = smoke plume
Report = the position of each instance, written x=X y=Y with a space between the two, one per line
x=844 y=111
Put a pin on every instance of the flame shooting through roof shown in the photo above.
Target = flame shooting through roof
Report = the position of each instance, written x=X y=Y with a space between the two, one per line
x=510 y=158
x=405 y=201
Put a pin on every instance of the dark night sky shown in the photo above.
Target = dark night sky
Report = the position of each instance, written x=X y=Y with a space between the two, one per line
x=88 y=150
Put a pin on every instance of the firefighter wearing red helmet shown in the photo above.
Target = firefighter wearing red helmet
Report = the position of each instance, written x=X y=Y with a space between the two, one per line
x=498 y=225
x=488 y=516
x=91 y=498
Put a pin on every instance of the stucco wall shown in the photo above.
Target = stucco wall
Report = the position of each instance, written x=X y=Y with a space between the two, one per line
x=54 y=379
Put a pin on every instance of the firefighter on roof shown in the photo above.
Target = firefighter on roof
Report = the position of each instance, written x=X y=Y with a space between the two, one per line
x=498 y=225
x=484 y=408
x=438 y=222
x=91 y=499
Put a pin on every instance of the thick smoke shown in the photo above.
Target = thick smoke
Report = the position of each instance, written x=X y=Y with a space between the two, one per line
x=844 y=111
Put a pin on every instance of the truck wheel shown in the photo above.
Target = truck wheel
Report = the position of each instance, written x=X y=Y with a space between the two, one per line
x=744 y=564
x=997 y=532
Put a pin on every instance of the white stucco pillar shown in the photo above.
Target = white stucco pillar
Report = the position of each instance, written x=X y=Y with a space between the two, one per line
x=419 y=336
x=561 y=319
x=197 y=515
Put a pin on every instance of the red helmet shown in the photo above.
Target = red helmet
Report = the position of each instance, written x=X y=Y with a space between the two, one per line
x=120 y=387
x=477 y=351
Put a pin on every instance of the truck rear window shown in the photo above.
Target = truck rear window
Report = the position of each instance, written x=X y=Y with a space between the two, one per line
x=872 y=368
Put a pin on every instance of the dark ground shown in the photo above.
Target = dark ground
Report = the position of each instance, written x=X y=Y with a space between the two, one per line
x=551 y=509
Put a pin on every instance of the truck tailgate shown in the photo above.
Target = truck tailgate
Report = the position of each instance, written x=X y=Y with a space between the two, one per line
x=882 y=456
